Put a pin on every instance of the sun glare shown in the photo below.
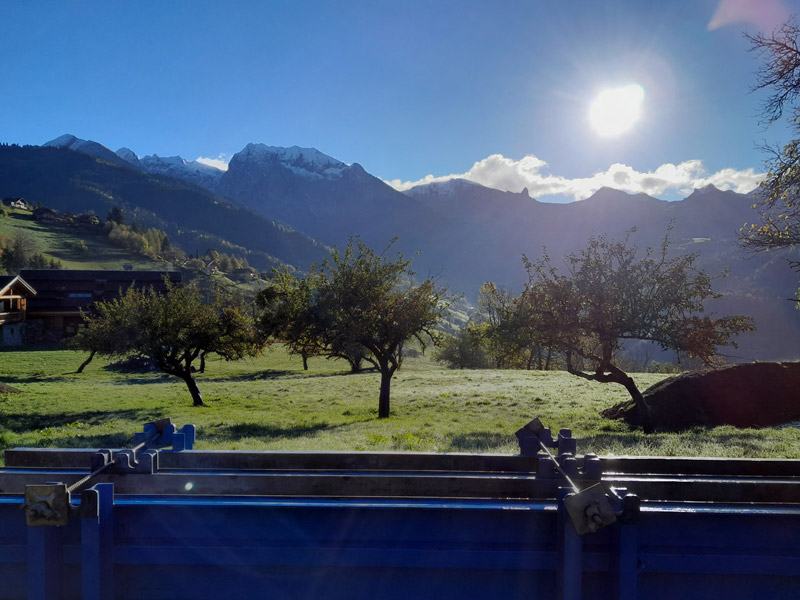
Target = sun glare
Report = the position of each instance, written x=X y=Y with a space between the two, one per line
x=614 y=111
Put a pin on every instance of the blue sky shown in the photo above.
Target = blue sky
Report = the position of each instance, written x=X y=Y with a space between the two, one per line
x=499 y=91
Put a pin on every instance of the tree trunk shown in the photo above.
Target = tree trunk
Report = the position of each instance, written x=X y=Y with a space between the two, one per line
x=304 y=356
x=547 y=359
x=197 y=398
x=203 y=362
x=355 y=364
x=608 y=373
x=383 y=400
x=86 y=362
x=641 y=404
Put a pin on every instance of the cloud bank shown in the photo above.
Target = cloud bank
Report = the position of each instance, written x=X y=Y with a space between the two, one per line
x=221 y=162
x=510 y=175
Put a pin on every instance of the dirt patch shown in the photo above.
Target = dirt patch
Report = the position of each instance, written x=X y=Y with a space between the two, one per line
x=750 y=395
x=8 y=389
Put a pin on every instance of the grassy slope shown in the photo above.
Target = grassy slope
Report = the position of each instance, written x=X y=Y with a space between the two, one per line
x=55 y=242
x=269 y=403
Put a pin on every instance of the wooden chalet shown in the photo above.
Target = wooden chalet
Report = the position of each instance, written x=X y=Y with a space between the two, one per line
x=14 y=295
x=62 y=296
x=16 y=203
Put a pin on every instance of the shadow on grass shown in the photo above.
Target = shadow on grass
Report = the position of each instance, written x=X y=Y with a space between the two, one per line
x=111 y=440
x=23 y=422
x=479 y=441
x=666 y=443
x=33 y=379
x=258 y=430
x=268 y=374
x=144 y=378
x=279 y=373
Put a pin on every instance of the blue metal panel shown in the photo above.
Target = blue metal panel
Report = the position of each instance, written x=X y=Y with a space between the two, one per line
x=97 y=544
x=257 y=546
x=45 y=563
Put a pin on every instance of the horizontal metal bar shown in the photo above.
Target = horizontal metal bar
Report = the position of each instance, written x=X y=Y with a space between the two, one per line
x=311 y=484
x=247 y=460
x=394 y=485
x=723 y=564
x=681 y=465
x=408 y=461
x=13 y=554
x=337 y=557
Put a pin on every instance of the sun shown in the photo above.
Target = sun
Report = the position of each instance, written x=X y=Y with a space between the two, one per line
x=614 y=111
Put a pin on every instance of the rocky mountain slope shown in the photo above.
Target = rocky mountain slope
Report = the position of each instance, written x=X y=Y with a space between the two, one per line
x=466 y=233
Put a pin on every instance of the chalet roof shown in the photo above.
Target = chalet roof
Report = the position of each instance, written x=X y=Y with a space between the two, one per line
x=98 y=275
x=70 y=291
x=7 y=281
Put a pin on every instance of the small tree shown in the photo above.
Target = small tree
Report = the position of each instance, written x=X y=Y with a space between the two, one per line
x=778 y=200
x=609 y=294
x=511 y=329
x=367 y=299
x=288 y=315
x=357 y=305
x=285 y=307
x=116 y=215
x=172 y=330
x=18 y=252
x=463 y=350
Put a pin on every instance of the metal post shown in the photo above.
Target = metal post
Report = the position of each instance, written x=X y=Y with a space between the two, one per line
x=45 y=563
x=628 y=561
x=570 y=549
x=628 y=556
x=97 y=542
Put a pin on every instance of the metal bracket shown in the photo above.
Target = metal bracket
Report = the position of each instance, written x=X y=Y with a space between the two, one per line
x=601 y=505
x=162 y=434
x=590 y=509
x=47 y=504
x=50 y=504
x=535 y=433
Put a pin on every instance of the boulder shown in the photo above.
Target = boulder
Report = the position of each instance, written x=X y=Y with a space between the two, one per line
x=747 y=395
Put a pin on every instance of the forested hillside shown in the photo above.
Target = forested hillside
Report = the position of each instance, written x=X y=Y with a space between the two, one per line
x=193 y=218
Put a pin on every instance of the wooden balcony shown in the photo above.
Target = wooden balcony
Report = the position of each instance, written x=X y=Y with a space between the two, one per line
x=16 y=316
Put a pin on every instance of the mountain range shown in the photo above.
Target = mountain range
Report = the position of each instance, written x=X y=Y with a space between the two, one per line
x=289 y=204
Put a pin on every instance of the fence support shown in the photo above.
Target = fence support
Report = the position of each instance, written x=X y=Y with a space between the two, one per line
x=97 y=542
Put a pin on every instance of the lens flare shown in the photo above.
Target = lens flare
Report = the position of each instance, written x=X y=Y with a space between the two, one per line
x=616 y=110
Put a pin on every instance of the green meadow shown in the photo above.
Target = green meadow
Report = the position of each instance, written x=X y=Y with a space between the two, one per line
x=270 y=403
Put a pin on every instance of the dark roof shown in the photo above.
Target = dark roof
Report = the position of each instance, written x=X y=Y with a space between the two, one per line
x=7 y=281
x=94 y=275
x=72 y=290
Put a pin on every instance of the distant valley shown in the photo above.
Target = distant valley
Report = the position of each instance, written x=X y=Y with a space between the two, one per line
x=288 y=205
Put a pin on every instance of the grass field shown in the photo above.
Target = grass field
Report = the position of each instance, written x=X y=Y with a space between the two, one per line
x=56 y=242
x=270 y=403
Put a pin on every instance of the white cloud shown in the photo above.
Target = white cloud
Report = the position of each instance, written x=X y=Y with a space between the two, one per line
x=764 y=15
x=511 y=175
x=221 y=162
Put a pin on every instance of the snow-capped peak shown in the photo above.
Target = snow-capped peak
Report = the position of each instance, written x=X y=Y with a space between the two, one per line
x=128 y=155
x=175 y=166
x=302 y=161
x=89 y=147
x=64 y=141
x=445 y=189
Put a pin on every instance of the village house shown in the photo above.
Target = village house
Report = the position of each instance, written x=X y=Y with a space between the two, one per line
x=50 y=216
x=18 y=203
x=63 y=296
x=14 y=295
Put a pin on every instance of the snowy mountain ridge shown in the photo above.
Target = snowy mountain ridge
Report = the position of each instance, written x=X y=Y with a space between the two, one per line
x=308 y=162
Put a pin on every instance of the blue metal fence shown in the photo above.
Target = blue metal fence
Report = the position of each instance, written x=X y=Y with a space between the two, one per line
x=363 y=545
